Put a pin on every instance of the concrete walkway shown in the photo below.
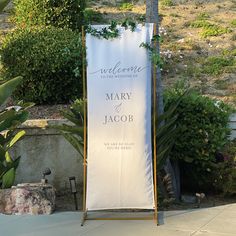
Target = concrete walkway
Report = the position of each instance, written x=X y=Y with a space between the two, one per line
x=216 y=221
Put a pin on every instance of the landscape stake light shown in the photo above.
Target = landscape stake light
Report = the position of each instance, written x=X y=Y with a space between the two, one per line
x=73 y=190
x=46 y=172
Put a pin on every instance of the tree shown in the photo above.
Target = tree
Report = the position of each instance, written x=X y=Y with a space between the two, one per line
x=152 y=16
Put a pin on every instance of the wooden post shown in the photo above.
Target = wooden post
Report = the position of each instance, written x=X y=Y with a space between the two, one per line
x=154 y=134
x=85 y=127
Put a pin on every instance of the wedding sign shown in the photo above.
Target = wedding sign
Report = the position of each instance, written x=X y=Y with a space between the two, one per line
x=119 y=170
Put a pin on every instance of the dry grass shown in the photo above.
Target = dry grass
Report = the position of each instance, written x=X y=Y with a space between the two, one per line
x=189 y=49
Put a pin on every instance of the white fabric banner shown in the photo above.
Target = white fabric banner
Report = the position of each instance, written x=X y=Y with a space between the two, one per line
x=119 y=173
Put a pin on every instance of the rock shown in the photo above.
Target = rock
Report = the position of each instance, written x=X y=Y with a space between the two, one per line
x=32 y=199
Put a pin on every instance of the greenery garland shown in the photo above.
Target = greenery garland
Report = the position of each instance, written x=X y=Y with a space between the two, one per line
x=111 y=32
x=154 y=55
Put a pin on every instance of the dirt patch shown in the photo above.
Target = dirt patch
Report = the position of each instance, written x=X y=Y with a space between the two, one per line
x=47 y=112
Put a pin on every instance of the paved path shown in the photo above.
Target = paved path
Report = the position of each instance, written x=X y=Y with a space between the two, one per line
x=217 y=221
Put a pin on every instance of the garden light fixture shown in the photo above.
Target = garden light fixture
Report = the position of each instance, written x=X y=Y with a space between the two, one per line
x=46 y=172
x=73 y=190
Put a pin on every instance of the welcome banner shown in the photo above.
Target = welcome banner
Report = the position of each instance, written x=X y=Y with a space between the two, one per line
x=119 y=171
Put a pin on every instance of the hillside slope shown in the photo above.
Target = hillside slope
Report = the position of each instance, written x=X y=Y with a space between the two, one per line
x=198 y=41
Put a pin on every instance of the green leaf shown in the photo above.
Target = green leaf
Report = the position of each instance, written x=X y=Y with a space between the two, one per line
x=2 y=139
x=68 y=128
x=70 y=116
x=26 y=105
x=8 y=158
x=77 y=143
x=2 y=153
x=8 y=165
x=14 y=121
x=16 y=138
x=3 y=169
x=8 y=178
x=8 y=87
x=7 y=114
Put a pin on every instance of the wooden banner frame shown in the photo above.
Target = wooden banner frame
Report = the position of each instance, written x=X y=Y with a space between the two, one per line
x=154 y=112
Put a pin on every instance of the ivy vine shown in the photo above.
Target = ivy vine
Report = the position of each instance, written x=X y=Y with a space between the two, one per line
x=111 y=32
x=154 y=55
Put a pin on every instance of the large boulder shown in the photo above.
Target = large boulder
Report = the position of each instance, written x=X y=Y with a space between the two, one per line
x=33 y=199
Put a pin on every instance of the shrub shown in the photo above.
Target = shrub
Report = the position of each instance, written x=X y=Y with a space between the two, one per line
x=202 y=130
x=218 y=64
x=50 y=61
x=225 y=174
x=215 y=30
x=58 y=13
x=203 y=16
x=200 y=24
x=233 y=22
x=167 y=3
x=126 y=6
x=209 y=29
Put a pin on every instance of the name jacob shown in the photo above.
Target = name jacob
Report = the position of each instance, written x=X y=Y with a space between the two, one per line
x=124 y=118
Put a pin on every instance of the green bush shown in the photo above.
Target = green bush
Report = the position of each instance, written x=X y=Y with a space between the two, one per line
x=50 y=62
x=217 y=65
x=209 y=29
x=126 y=6
x=167 y=3
x=233 y=22
x=225 y=174
x=202 y=130
x=58 y=13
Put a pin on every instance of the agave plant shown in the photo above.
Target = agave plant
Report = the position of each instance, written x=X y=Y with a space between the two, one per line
x=165 y=135
x=10 y=119
x=74 y=132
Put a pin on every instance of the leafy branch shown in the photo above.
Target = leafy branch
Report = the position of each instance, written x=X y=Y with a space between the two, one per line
x=111 y=31
x=154 y=55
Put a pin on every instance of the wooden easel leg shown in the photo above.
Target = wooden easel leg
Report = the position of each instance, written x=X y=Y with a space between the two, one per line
x=157 y=220
x=84 y=218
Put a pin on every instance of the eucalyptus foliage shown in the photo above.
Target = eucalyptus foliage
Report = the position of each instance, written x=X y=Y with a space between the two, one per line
x=111 y=31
